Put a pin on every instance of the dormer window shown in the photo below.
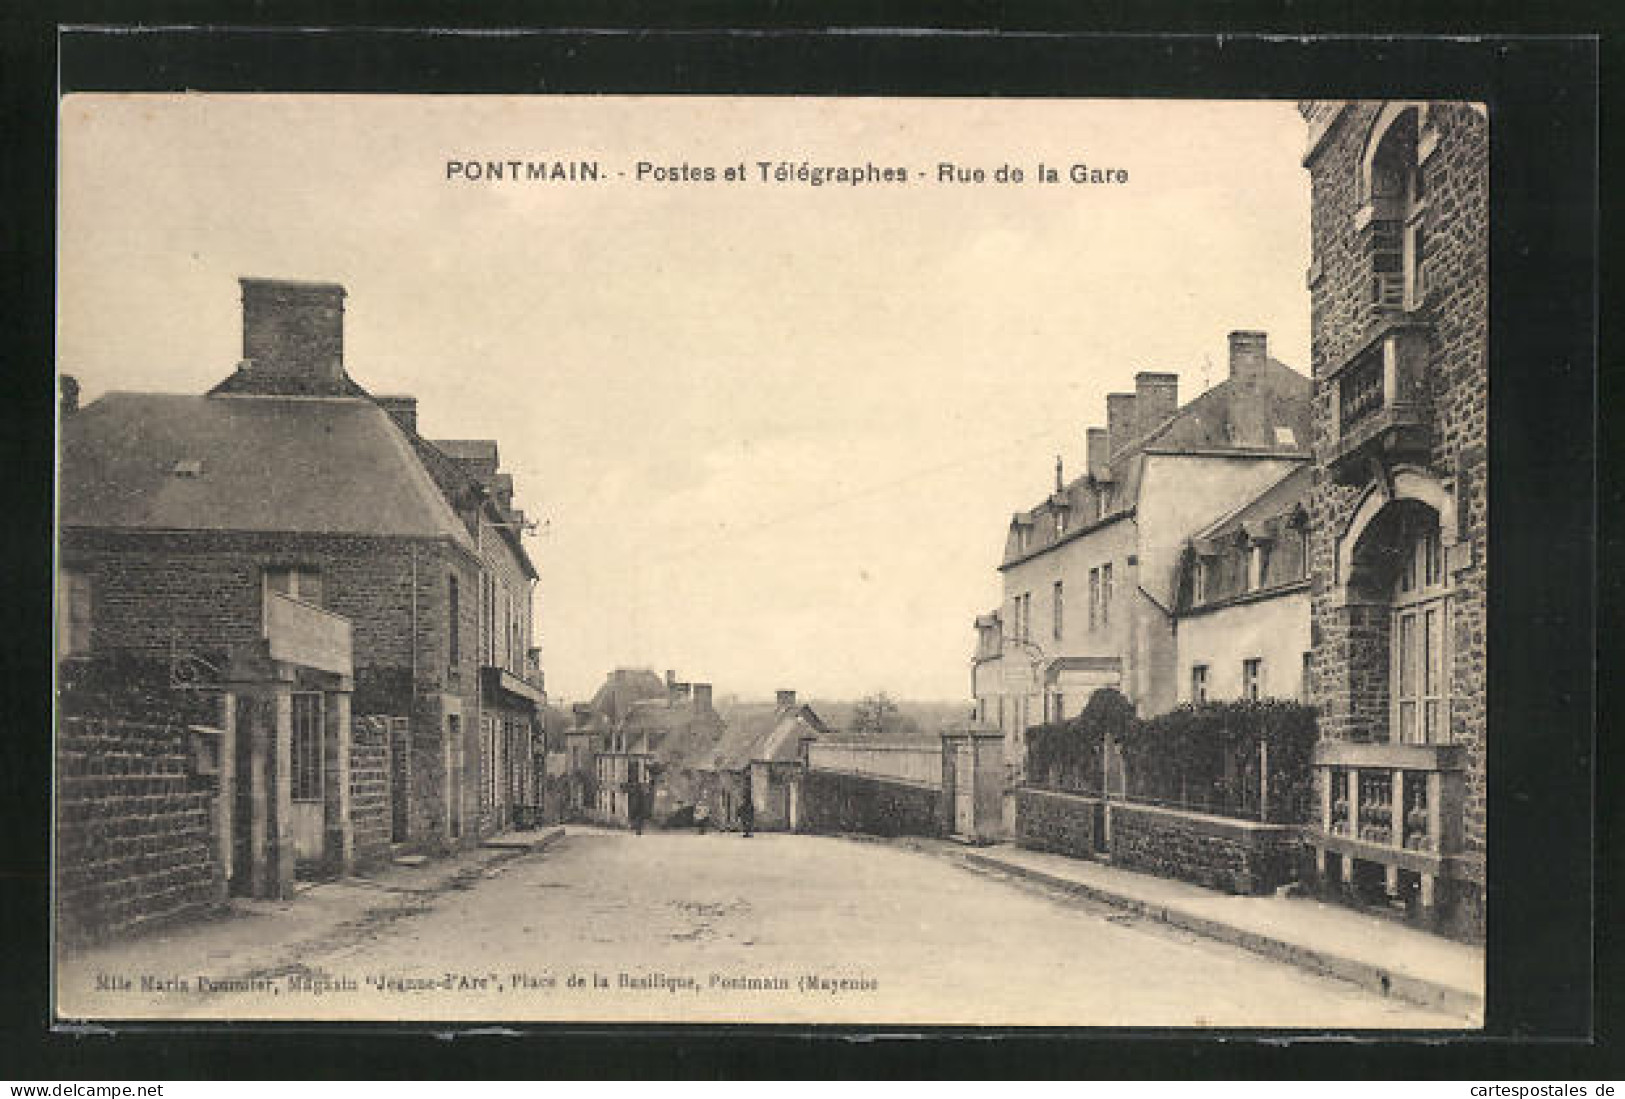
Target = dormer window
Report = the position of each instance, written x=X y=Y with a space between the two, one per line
x=1258 y=565
x=1199 y=582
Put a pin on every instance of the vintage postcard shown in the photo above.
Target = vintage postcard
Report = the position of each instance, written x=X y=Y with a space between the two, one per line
x=873 y=561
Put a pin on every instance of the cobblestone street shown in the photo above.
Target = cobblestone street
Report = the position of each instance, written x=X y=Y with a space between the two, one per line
x=666 y=926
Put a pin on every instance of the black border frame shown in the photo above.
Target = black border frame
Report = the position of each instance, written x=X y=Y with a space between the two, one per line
x=1542 y=94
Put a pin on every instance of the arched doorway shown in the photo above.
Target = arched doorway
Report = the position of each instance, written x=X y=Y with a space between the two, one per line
x=1400 y=667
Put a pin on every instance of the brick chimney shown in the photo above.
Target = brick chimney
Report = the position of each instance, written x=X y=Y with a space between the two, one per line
x=1098 y=454
x=787 y=700
x=702 y=696
x=1119 y=421
x=1156 y=397
x=1249 y=351
x=403 y=410
x=68 y=388
x=293 y=334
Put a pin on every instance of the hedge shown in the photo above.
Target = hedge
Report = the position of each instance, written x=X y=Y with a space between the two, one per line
x=1067 y=755
x=1207 y=757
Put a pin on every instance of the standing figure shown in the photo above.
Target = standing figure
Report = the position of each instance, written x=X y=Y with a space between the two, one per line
x=747 y=814
x=702 y=818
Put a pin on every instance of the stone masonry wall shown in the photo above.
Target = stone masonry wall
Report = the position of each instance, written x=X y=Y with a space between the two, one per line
x=370 y=802
x=201 y=592
x=1209 y=851
x=1349 y=674
x=135 y=830
x=848 y=803
x=1061 y=823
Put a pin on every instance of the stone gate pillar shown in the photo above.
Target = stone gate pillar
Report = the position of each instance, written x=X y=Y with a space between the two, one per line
x=337 y=737
x=973 y=782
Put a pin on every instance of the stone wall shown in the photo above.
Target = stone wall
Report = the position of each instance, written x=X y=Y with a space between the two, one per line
x=1233 y=855
x=201 y=592
x=1062 y=823
x=135 y=838
x=1351 y=645
x=833 y=802
x=370 y=802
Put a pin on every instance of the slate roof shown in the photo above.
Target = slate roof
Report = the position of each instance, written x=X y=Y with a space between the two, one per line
x=622 y=688
x=763 y=736
x=1278 y=501
x=306 y=465
x=1239 y=416
x=676 y=732
x=478 y=454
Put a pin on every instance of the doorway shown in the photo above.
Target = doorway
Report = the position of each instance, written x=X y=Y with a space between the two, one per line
x=307 y=774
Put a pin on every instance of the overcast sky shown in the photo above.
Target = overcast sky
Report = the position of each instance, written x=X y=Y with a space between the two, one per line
x=776 y=431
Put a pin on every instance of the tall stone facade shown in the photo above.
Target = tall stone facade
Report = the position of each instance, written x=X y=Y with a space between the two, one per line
x=1398 y=508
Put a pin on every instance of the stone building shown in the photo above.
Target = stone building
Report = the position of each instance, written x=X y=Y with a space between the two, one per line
x=650 y=731
x=1091 y=573
x=281 y=547
x=763 y=753
x=1242 y=619
x=511 y=687
x=1398 y=283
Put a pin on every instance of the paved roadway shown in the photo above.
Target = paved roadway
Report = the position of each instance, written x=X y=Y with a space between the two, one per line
x=795 y=929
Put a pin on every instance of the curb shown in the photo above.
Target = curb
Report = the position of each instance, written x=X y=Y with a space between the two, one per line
x=538 y=843
x=1385 y=982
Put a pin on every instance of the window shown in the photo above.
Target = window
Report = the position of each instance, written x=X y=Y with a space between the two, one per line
x=73 y=613
x=1307 y=690
x=307 y=747
x=1420 y=639
x=1199 y=583
x=1060 y=610
x=491 y=757
x=1258 y=566
x=1198 y=682
x=1094 y=598
x=1398 y=205
x=454 y=614
x=301 y=582
x=506 y=654
x=454 y=800
x=1105 y=595
x=1024 y=616
x=1252 y=676
x=1060 y=522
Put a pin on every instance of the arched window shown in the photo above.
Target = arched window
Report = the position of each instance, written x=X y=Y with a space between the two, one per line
x=1419 y=675
x=1395 y=205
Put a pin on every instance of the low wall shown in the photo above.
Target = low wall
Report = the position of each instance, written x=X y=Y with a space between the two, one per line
x=371 y=802
x=835 y=802
x=1062 y=823
x=1236 y=856
x=135 y=838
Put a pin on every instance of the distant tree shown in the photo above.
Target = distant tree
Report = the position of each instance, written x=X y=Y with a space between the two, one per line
x=878 y=717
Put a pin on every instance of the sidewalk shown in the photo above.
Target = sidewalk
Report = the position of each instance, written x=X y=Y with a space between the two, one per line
x=264 y=938
x=1384 y=956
